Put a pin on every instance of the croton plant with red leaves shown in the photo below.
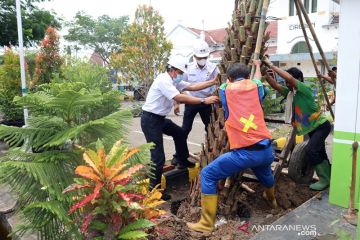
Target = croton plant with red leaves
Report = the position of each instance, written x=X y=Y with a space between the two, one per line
x=114 y=199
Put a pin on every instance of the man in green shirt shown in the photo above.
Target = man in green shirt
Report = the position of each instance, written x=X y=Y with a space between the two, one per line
x=306 y=119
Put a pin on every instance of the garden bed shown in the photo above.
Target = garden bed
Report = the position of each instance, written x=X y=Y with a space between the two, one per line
x=253 y=210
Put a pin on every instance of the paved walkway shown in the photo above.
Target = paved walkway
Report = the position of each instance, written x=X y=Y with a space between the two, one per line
x=315 y=219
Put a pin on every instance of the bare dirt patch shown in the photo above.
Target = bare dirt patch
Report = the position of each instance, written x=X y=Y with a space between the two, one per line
x=252 y=210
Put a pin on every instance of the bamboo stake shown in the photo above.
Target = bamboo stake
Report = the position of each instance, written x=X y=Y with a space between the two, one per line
x=351 y=214
x=260 y=36
x=303 y=10
x=313 y=58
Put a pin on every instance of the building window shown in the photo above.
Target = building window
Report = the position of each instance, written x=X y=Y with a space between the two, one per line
x=307 y=5
x=291 y=7
x=300 y=47
x=314 y=6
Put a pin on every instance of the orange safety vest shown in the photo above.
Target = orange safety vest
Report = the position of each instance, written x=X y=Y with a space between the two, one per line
x=245 y=125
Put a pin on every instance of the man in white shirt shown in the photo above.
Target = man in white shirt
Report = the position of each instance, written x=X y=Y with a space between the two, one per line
x=164 y=91
x=200 y=70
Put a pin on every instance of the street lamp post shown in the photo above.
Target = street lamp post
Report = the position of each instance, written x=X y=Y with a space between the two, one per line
x=22 y=60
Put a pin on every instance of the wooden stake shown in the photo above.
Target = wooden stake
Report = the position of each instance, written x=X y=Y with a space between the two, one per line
x=303 y=10
x=351 y=214
x=289 y=145
x=313 y=58
x=260 y=36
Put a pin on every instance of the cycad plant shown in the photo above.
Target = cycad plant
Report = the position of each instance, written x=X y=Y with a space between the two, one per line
x=240 y=46
x=115 y=202
x=42 y=157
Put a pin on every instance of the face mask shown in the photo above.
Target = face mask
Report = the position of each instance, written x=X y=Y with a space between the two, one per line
x=178 y=78
x=201 y=62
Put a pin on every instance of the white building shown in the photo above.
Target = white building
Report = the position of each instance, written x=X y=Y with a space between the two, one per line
x=291 y=47
x=183 y=40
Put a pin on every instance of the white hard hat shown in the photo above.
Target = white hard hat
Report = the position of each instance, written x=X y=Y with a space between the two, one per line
x=201 y=49
x=178 y=62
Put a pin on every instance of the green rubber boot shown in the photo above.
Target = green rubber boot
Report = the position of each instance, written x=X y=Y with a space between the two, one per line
x=323 y=172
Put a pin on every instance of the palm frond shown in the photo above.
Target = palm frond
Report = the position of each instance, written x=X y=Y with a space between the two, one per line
x=70 y=102
x=109 y=129
x=35 y=101
x=49 y=219
x=47 y=122
x=34 y=137
x=48 y=177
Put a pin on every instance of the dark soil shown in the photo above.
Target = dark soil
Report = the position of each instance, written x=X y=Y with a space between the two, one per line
x=252 y=210
x=15 y=123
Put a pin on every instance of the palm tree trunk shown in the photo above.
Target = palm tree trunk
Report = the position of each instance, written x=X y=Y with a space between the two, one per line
x=240 y=46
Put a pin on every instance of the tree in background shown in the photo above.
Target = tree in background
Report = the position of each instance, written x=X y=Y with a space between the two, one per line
x=145 y=50
x=94 y=76
x=48 y=60
x=78 y=74
x=101 y=34
x=35 y=23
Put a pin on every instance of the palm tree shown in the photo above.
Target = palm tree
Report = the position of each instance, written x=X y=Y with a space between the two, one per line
x=239 y=47
x=41 y=161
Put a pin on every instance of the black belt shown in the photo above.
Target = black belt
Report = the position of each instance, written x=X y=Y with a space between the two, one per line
x=255 y=147
x=152 y=114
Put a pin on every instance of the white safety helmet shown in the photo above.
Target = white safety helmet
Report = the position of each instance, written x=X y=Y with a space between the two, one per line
x=178 y=62
x=201 y=49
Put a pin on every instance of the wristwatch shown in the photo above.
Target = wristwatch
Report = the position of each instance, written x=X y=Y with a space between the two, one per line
x=202 y=100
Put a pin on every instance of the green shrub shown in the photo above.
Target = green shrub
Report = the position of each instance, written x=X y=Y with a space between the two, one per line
x=10 y=86
x=93 y=76
x=273 y=105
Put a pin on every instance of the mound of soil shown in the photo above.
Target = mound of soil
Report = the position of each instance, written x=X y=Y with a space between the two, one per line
x=170 y=227
x=252 y=210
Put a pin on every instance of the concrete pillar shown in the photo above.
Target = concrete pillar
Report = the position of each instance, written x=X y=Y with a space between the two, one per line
x=347 y=110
